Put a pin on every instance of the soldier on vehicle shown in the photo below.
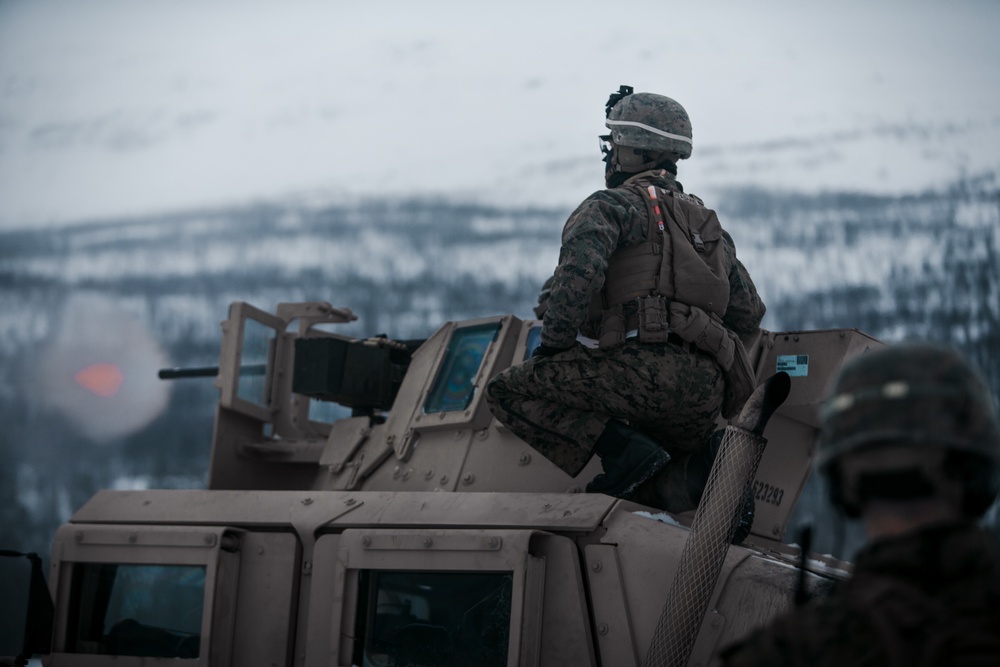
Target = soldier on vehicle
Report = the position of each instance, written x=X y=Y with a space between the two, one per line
x=910 y=444
x=648 y=272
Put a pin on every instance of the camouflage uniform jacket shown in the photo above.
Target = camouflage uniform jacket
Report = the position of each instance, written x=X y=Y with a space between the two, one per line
x=617 y=218
x=927 y=598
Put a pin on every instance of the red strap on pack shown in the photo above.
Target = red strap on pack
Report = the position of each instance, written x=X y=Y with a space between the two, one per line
x=656 y=206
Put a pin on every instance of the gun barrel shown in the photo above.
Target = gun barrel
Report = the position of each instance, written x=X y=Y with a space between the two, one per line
x=198 y=372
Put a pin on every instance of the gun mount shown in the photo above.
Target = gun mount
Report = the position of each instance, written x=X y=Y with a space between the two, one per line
x=364 y=508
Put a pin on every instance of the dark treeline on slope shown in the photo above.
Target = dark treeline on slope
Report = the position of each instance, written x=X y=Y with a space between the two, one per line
x=921 y=266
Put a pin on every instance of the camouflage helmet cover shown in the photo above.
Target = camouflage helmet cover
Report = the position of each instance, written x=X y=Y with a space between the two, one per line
x=651 y=122
x=912 y=395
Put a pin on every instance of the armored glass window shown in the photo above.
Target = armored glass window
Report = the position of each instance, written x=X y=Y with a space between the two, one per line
x=136 y=610
x=453 y=389
x=257 y=353
x=327 y=412
x=534 y=340
x=433 y=618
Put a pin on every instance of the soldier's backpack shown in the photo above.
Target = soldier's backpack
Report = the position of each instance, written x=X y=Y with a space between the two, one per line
x=679 y=283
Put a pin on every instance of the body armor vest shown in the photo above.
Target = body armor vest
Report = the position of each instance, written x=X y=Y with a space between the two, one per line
x=682 y=261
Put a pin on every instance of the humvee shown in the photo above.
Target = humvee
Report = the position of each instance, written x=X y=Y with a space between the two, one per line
x=363 y=507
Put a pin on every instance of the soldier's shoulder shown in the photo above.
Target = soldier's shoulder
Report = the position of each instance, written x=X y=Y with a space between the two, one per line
x=618 y=195
x=603 y=210
x=620 y=203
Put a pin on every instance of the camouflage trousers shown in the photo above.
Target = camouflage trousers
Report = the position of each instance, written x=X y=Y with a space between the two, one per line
x=560 y=405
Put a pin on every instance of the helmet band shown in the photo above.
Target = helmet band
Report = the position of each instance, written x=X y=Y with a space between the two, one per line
x=643 y=126
x=891 y=390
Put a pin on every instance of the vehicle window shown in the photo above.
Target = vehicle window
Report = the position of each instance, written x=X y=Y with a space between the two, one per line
x=258 y=346
x=534 y=340
x=433 y=618
x=140 y=610
x=453 y=389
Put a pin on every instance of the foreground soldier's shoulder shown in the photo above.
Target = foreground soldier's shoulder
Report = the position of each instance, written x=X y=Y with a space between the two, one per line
x=810 y=635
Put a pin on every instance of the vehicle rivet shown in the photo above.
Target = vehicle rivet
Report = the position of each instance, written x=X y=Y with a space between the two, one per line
x=307 y=566
x=79 y=536
x=547 y=506
x=494 y=542
x=458 y=434
x=524 y=459
x=307 y=501
x=133 y=538
x=210 y=540
x=350 y=501
x=429 y=474
x=389 y=439
x=597 y=567
x=366 y=541
x=483 y=434
x=444 y=479
x=260 y=551
x=602 y=629
x=396 y=472
x=428 y=541
x=776 y=530
x=468 y=478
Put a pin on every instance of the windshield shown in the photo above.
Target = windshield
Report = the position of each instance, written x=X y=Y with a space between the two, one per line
x=140 y=610
x=434 y=618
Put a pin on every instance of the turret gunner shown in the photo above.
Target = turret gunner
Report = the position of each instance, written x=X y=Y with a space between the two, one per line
x=648 y=272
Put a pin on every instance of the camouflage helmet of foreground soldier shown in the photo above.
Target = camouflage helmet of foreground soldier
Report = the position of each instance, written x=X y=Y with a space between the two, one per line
x=906 y=422
x=646 y=129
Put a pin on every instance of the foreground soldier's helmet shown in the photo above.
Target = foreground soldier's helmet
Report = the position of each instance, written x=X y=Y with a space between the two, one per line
x=651 y=122
x=908 y=421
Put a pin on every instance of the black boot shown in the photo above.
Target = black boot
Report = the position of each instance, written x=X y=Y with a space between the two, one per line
x=677 y=488
x=629 y=458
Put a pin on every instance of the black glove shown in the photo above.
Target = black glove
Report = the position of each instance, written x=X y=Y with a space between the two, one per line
x=544 y=350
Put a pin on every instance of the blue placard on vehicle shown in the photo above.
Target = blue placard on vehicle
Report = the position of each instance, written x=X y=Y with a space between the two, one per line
x=796 y=365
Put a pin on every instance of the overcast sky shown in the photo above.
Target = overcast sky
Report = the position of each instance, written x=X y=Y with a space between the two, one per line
x=112 y=108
